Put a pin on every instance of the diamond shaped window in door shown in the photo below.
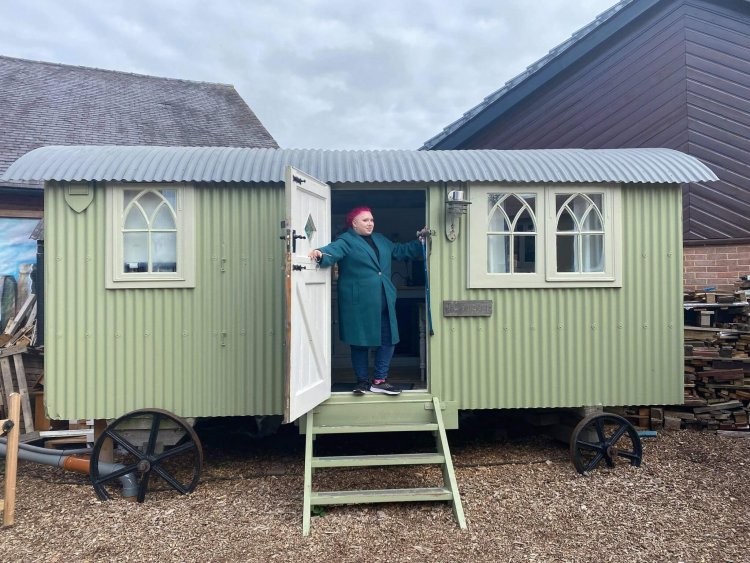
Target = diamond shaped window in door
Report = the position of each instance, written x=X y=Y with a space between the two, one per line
x=310 y=229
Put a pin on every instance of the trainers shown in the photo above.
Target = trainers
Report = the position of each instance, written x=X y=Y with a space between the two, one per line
x=384 y=387
x=361 y=388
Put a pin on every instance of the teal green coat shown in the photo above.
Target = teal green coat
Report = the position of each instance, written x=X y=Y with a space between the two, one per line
x=363 y=279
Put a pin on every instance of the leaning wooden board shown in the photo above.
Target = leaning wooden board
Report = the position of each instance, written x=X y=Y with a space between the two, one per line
x=20 y=383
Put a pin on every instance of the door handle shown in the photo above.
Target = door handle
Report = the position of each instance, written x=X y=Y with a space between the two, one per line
x=298 y=267
x=295 y=236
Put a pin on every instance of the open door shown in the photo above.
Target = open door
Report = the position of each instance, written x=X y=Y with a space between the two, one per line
x=308 y=295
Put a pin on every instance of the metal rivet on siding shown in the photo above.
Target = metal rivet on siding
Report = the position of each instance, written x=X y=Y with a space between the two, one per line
x=645 y=326
x=59 y=258
x=643 y=255
x=670 y=325
x=243 y=331
x=185 y=333
x=118 y=334
x=593 y=326
x=559 y=326
x=88 y=258
x=620 y=325
x=147 y=333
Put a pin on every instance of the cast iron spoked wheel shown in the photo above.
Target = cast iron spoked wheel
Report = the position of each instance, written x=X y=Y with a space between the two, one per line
x=146 y=457
x=604 y=438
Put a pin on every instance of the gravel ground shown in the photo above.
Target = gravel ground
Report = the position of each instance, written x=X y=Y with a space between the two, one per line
x=690 y=501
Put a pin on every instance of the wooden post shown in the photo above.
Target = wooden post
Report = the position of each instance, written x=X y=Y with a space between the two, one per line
x=11 y=460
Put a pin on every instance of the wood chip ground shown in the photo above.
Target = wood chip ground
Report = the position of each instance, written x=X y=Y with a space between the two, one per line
x=690 y=501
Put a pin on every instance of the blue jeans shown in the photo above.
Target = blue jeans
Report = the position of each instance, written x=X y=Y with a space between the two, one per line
x=383 y=353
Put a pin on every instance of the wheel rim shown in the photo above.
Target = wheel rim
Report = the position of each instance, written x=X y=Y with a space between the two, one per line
x=607 y=438
x=146 y=457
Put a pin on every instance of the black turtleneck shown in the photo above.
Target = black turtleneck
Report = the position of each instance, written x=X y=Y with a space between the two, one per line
x=368 y=240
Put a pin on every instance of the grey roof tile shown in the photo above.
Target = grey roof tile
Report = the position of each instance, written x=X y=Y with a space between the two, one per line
x=55 y=104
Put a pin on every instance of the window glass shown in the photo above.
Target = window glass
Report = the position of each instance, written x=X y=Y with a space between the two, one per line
x=134 y=219
x=524 y=254
x=164 y=218
x=150 y=236
x=149 y=231
x=164 y=252
x=566 y=254
x=553 y=235
x=135 y=252
x=580 y=215
x=593 y=221
x=498 y=253
x=592 y=253
x=514 y=214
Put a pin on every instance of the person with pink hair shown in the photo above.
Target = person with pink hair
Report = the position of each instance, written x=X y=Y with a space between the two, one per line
x=366 y=295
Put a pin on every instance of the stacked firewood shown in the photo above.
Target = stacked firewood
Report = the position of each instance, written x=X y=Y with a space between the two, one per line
x=717 y=366
x=21 y=367
x=21 y=329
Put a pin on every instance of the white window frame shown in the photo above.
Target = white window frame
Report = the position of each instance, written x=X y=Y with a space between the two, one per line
x=116 y=278
x=546 y=275
x=478 y=223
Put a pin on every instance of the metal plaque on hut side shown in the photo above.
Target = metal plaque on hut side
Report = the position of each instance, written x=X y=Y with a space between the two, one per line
x=477 y=308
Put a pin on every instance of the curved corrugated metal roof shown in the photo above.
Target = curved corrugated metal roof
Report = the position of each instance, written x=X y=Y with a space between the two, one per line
x=222 y=164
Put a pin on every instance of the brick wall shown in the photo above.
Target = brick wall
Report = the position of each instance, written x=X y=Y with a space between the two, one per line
x=715 y=266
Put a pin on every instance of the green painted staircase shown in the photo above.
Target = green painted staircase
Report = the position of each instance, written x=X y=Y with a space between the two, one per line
x=321 y=424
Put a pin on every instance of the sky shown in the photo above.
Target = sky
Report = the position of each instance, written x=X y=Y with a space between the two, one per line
x=334 y=74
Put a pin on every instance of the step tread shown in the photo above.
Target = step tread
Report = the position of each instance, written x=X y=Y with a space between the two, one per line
x=381 y=495
x=363 y=428
x=376 y=460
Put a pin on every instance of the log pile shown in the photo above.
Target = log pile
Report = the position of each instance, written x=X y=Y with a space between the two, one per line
x=21 y=365
x=717 y=363
x=21 y=329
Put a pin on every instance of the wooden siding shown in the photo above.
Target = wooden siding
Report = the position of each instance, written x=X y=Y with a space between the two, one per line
x=677 y=77
x=718 y=94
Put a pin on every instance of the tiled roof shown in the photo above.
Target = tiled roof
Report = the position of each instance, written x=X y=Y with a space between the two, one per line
x=54 y=104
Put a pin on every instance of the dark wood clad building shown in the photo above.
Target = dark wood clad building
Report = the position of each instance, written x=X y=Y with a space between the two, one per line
x=646 y=73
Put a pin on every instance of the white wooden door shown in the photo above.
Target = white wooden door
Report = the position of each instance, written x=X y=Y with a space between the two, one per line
x=308 y=295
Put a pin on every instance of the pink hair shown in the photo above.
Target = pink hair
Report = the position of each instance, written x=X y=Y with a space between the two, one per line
x=352 y=215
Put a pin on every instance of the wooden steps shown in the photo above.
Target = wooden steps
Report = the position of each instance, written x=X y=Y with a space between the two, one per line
x=381 y=495
x=427 y=417
x=378 y=460
x=365 y=428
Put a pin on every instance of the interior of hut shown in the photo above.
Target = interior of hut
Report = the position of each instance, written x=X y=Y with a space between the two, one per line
x=399 y=214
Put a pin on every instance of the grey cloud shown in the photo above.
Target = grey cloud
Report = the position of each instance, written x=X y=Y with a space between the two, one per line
x=325 y=73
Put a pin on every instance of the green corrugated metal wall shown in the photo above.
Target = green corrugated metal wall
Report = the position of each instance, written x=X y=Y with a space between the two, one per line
x=111 y=351
x=569 y=347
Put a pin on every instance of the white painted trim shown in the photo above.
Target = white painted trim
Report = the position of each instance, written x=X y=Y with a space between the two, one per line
x=546 y=276
x=185 y=223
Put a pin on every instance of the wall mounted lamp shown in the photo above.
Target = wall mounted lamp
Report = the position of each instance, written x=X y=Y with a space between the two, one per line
x=456 y=205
